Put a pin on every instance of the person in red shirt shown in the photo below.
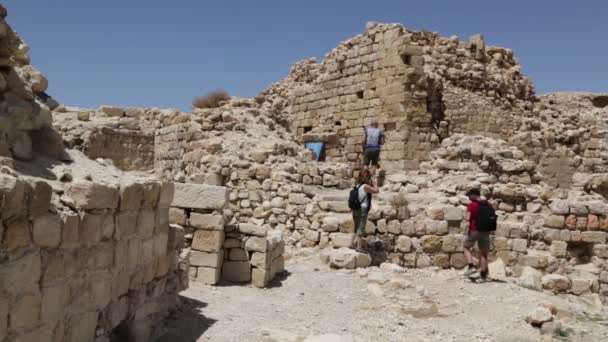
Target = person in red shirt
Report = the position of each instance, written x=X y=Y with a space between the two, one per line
x=473 y=236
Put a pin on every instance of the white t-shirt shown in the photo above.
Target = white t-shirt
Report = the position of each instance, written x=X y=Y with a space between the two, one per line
x=363 y=196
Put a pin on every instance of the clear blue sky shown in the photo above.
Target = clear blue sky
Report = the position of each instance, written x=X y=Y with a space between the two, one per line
x=164 y=53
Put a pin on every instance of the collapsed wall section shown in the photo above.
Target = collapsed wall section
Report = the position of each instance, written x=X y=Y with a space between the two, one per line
x=99 y=264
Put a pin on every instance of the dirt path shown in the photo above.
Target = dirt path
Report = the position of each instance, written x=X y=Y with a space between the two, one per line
x=372 y=305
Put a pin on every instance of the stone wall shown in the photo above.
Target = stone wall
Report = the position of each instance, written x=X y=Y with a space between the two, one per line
x=402 y=79
x=239 y=253
x=100 y=260
x=128 y=150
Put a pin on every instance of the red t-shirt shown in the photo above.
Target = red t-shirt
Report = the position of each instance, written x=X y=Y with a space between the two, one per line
x=473 y=208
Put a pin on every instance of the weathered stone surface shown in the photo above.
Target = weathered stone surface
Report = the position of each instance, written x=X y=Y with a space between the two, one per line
x=497 y=269
x=206 y=259
x=177 y=216
x=207 y=221
x=431 y=243
x=208 y=240
x=560 y=207
x=89 y=195
x=238 y=254
x=453 y=213
x=558 y=249
x=200 y=196
x=208 y=275
x=3 y=318
x=531 y=279
x=539 y=316
x=556 y=283
x=343 y=258
x=252 y=229
x=236 y=271
x=594 y=237
x=404 y=244
x=339 y=240
x=256 y=244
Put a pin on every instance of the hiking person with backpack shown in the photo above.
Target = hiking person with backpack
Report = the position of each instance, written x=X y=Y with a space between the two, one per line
x=482 y=221
x=360 y=202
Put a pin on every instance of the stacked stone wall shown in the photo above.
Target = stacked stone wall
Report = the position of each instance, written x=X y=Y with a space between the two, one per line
x=129 y=150
x=103 y=263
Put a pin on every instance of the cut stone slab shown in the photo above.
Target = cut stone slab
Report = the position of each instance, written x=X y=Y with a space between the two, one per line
x=539 y=316
x=200 y=196
x=236 y=271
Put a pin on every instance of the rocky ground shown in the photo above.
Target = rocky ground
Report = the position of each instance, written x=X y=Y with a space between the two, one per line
x=314 y=303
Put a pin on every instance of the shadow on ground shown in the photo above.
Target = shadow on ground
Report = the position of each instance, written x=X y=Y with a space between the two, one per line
x=187 y=324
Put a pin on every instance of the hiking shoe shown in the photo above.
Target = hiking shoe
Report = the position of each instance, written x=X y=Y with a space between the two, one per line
x=484 y=280
x=469 y=271
x=474 y=275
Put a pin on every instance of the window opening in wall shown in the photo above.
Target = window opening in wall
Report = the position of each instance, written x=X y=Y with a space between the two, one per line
x=390 y=126
x=473 y=48
x=318 y=148
x=307 y=129
x=120 y=333
x=406 y=59
x=338 y=123
x=581 y=251
x=360 y=94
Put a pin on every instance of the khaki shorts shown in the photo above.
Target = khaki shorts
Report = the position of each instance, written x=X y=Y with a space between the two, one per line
x=360 y=220
x=482 y=239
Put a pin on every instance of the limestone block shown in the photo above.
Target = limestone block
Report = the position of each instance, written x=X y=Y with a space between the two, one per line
x=453 y=213
x=145 y=223
x=208 y=240
x=252 y=229
x=339 y=240
x=166 y=194
x=82 y=327
x=555 y=221
x=41 y=198
x=581 y=285
x=556 y=282
x=236 y=271
x=260 y=277
x=404 y=244
x=458 y=261
x=431 y=243
x=131 y=195
x=409 y=260
x=89 y=195
x=558 y=249
x=199 y=196
x=598 y=208
x=593 y=222
x=436 y=227
x=151 y=194
x=126 y=224
x=594 y=237
x=343 y=258
x=435 y=213
x=394 y=227
x=207 y=259
x=570 y=222
x=531 y=279
x=112 y=111
x=208 y=275
x=177 y=216
x=14 y=191
x=261 y=260
x=535 y=261
x=453 y=243
x=601 y=250
x=207 y=221
x=25 y=313
x=311 y=235
x=560 y=207
x=520 y=245
x=423 y=261
x=232 y=243
x=441 y=260
x=256 y=244
x=39 y=334
x=17 y=235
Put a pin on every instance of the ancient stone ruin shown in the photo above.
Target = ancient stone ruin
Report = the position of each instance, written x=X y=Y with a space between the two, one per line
x=108 y=213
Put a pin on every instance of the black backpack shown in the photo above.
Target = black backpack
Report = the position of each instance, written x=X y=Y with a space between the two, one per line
x=486 y=217
x=353 y=199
